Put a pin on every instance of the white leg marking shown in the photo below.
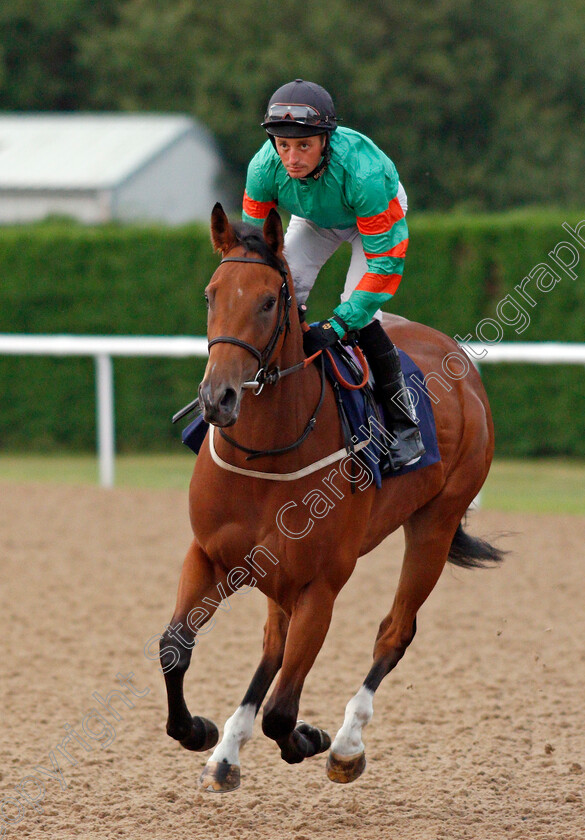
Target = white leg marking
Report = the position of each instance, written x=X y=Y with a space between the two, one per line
x=358 y=714
x=236 y=732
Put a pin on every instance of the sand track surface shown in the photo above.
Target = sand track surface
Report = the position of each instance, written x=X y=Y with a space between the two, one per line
x=479 y=733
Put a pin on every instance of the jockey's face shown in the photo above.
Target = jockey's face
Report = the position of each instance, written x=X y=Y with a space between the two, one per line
x=300 y=155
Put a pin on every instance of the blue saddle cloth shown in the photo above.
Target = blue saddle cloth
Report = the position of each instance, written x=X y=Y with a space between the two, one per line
x=364 y=420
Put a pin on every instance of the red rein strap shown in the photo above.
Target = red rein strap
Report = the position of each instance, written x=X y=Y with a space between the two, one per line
x=349 y=385
x=361 y=358
x=364 y=365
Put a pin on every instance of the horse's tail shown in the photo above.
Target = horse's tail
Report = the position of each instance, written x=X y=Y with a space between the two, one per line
x=473 y=552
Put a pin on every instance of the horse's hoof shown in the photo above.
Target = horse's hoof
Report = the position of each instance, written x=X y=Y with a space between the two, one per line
x=344 y=769
x=203 y=736
x=319 y=738
x=220 y=777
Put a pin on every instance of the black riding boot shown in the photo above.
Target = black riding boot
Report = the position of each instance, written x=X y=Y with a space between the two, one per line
x=384 y=362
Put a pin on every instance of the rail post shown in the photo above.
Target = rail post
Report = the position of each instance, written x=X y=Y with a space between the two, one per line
x=105 y=418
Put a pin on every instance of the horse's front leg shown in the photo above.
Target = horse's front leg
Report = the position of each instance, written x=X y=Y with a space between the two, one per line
x=309 y=623
x=222 y=771
x=198 y=580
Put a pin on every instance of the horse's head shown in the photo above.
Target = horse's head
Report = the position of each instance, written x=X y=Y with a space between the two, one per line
x=248 y=300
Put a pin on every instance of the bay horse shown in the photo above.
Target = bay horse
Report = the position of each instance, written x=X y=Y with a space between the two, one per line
x=267 y=526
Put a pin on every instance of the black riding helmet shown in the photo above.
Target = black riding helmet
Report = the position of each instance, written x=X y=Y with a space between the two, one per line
x=301 y=109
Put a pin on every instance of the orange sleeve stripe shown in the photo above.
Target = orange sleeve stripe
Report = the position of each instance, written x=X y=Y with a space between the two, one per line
x=257 y=209
x=379 y=283
x=397 y=251
x=382 y=222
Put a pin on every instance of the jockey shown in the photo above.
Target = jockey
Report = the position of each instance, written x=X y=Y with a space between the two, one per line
x=339 y=187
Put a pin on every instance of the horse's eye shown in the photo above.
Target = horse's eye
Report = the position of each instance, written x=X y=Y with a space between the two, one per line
x=268 y=305
x=206 y=301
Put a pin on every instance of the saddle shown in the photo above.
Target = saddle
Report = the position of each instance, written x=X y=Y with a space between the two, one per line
x=361 y=416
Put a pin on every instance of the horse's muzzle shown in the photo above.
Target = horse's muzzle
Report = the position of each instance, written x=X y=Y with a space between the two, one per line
x=221 y=405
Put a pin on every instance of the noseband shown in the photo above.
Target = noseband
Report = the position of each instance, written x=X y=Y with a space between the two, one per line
x=282 y=323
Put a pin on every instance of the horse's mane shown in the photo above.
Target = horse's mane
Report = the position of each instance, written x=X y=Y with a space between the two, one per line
x=252 y=239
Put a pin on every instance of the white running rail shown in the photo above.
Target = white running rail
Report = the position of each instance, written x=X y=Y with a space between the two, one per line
x=104 y=348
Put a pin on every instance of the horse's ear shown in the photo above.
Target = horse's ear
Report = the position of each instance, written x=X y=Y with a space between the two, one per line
x=273 y=232
x=223 y=236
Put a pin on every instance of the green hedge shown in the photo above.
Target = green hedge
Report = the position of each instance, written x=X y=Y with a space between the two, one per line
x=58 y=278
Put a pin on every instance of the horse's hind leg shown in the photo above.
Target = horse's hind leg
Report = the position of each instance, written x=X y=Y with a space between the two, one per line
x=198 y=580
x=222 y=771
x=428 y=539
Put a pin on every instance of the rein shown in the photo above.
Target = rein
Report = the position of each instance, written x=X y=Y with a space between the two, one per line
x=365 y=370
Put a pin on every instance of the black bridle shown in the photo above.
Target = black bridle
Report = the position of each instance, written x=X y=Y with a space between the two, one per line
x=264 y=376
x=282 y=321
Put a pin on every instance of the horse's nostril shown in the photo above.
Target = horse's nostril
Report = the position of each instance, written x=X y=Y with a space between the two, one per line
x=228 y=401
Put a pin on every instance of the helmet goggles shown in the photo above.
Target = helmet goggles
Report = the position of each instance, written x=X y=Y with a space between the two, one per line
x=283 y=111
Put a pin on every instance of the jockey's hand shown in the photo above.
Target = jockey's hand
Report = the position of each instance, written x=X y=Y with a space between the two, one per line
x=319 y=337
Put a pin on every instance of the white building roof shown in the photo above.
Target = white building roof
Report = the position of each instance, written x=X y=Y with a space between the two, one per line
x=82 y=151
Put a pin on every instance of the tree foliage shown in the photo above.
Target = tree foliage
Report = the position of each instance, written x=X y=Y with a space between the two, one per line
x=481 y=103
